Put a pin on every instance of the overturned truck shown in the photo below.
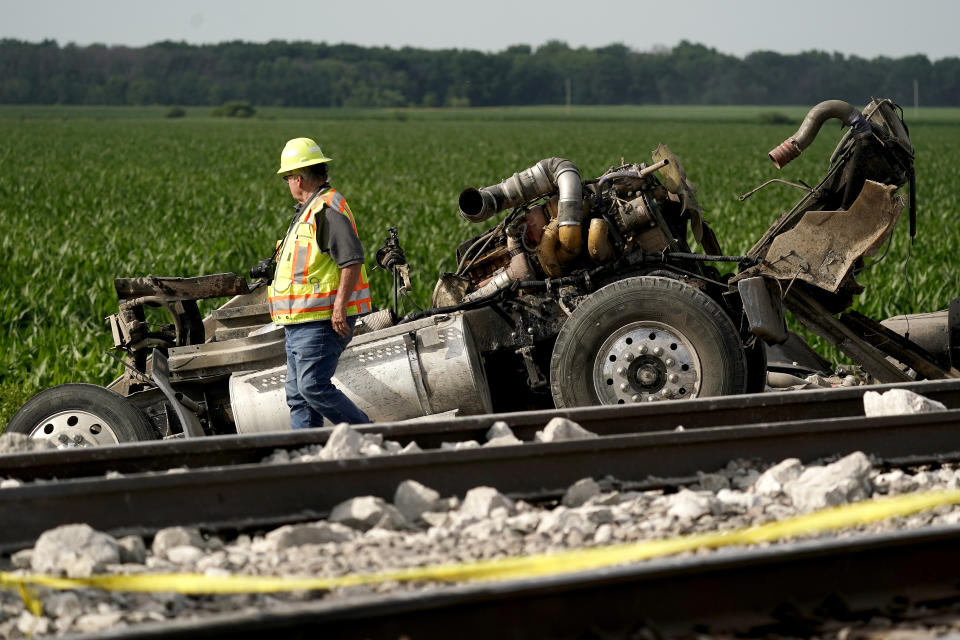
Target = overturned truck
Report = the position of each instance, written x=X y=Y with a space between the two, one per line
x=586 y=292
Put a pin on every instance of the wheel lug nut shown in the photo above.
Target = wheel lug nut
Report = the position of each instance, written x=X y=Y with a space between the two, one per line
x=643 y=349
x=669 y=362
x=658 y=351
x=624 y=386
x=674 y=378
x=621 y=371
x=665 y=393
x=635 y=397
x=629 y=357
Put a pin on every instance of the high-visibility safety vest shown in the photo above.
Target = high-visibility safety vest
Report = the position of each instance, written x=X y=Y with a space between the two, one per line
x=306 y=280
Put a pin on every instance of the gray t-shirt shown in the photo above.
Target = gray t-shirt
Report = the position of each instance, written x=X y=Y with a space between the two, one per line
x=336 y=236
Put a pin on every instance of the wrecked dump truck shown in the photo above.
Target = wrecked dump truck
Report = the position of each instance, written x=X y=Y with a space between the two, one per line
x=587 y=291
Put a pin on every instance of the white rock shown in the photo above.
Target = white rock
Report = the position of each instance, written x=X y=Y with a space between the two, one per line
x=22 y=559
x=367 y=512
x=897 y=402
x=690 y=505
x=132 y=550
x=214 y=562
x=737 y=501
x=371 y=449
x=278 y=456
x=499 y=429
x=563 y=521
x=480 y=530
x=344 y=442
x=524 y=522
x=772 y=481
x=392 y=447
x=74 y=549
x=373 y=438
x=459 y=446
x=93 y=622
x=176 y=537
x=924 y=479
x=843 y=481
x=30 y=625
x=435 y=519
x=561 y=429
x=579 y=492
x=380 y=534
x=503 y=441
x=295 y=535
x=481 y=501
x=413 y=499
x=184 y=554
x=603 y=534
x=11 y=442
x=610 y=498
x=412 y=447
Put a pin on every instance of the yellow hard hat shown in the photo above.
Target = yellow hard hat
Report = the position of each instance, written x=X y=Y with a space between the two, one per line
x=299 y=153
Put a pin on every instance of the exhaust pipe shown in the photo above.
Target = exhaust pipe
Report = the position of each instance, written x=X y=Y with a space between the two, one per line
x=795 y=144
x=518 y=269
x=548 y=175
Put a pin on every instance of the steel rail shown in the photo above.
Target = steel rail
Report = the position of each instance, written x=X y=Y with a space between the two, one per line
x=791 y=589
x=257 y=495
x=429 y=434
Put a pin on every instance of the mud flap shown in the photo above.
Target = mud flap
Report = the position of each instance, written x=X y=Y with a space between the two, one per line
x=763 y=308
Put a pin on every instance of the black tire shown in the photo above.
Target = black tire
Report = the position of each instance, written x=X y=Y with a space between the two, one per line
x=646 y=338
x=85 y=414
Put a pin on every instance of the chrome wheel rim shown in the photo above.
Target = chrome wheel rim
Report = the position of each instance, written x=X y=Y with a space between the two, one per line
x=646 y=362
x=75 y=429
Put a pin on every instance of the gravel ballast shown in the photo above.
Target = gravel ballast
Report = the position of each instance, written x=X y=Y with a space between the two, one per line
x=368 y=534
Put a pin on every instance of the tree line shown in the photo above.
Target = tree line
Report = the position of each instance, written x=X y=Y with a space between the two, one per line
x=281 y=73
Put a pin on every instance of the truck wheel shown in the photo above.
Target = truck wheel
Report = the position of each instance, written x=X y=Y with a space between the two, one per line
x=80 y=414
x=644 y=339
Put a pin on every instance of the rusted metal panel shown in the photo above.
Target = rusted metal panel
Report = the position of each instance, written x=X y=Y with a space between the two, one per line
x=212 y=286
x=822 y=248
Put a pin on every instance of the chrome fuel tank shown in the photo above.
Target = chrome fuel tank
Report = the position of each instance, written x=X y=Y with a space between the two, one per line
x=414 y=369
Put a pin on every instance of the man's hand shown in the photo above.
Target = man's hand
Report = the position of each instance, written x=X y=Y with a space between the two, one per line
x=339 y=322
x=349 y=277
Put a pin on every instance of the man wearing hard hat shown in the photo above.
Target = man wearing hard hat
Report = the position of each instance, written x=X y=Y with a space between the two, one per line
x=318 y=288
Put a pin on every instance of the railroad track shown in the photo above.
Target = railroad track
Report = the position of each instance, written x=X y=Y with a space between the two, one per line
x=767 y=408
x=790 y=589
x=248 y=494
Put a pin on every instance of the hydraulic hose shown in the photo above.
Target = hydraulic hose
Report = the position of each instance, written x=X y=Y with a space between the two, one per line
x=795 y=144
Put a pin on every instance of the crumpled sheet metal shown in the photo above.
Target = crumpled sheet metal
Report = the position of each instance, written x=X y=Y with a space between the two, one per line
x=675 y=180
x=823 y=246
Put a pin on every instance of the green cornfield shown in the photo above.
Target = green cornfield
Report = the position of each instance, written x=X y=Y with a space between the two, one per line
x=90 y=194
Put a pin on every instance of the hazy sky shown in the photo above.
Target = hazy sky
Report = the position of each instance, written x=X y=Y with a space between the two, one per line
x=876 y=27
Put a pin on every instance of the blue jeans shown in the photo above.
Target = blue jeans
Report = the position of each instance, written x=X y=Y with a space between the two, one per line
x=313 y=349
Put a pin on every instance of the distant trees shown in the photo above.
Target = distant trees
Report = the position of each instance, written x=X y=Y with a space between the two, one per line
x=318 y=74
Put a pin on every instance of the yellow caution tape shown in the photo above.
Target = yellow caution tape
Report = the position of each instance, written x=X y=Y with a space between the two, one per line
x=530 y=566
